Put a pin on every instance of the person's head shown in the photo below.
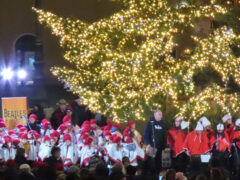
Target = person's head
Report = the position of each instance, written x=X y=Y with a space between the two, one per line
x=237 y=123
x=20 y=151
x=62 y=104
x=69 y=111
x=117 y=176
x=178 y=121
x=227 y=119
x=125 y=161
x=199 y=128
x=171 y=174
x=131 y=170
x=216 y=174
x=36 y=108
x=55 y=152
x=220 y=128
x=101 y=170
x=158 y=115
x=74 y=170
x=32 y=118
x=201 y=177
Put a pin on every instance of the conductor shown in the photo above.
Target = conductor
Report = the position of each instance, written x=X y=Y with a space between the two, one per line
x=155 y=138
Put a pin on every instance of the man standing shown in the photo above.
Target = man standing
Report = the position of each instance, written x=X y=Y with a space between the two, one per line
x=155 y=138
x=58 y=114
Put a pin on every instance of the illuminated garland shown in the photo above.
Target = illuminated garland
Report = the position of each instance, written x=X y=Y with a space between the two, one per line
x=124 y=63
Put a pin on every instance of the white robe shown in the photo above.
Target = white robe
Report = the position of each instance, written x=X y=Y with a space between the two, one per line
x=69 y=154
x=133 y=151
x=33 y=150
x=114 y=153
x=8 y=153
x=85 y=155
x=44 y=150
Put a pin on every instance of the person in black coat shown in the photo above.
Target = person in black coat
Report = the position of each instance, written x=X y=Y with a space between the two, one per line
x=155 y=137
x=54 y=159
x=32 y=125
x=20 y=156
x=80 y=113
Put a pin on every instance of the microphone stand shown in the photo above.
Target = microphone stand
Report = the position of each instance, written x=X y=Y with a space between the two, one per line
x=153 y=139
x=34 y=140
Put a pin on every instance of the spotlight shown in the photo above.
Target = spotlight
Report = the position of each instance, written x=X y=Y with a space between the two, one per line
x=7 y=74
x=22 y=74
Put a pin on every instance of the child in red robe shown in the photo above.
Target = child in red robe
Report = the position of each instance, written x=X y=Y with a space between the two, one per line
x=196 y=142
x=227 y=120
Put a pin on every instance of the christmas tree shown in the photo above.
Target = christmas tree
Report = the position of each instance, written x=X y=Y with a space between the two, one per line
x=126 y=66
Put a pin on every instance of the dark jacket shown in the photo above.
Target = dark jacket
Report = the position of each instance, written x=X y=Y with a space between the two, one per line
x=34 y=126
x=52 y=161
x=20 y=160
x=159 y=132
x=57 y=118
x=80 y=114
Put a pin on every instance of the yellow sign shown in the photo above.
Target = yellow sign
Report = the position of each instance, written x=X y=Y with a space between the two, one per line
x=14 y=111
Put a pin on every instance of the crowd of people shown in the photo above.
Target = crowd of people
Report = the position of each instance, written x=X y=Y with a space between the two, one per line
x=93 y=151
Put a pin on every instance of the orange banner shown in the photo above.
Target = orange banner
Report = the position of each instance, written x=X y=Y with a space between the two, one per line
x=14 y=111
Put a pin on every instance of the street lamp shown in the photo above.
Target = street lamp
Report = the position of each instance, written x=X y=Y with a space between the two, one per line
x=22 y=74
x=7 y=73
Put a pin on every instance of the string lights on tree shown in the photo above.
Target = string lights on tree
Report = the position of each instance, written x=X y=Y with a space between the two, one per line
x=124 y=64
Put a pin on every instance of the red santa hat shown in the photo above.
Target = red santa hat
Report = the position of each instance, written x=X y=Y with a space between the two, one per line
x=226 y=117
x=23 y=135
x=22 y=129
x=86 y=129
x=19 y=126
x=11 y=132
x=88 y=141
x=67 y=137
x=34 y=116
x=46 y=138
x=37 y=136
x=131 y=123
x=128 y=140
x=45 y=123
x=86 y=123
x=7 y=139
x=63 y=127
x=69 y=108
x=106 y=128
x=2 y=125
x=107 y=133
x=15 y=142
x=93 y=121
x=55 y=134
x=116 y=139
x=66 y=119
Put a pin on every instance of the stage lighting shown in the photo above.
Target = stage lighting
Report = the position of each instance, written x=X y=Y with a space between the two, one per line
x=7 y=73
x=22 y=74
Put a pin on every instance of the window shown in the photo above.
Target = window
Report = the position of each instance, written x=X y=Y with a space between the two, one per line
x=25 y=56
